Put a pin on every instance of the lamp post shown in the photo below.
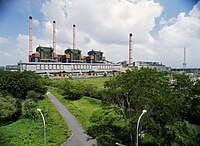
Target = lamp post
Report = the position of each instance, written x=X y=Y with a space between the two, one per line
x=119 y=144
x=44 y=125
x=143 y=112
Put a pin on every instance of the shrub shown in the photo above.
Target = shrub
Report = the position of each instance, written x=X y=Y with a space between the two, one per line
x=29 y=109
x=108 y=127
x=90 y=90
x=74 y=92
x=8 y=109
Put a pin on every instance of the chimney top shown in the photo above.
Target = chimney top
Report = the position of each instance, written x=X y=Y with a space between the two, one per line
x=131 y=34
x=74 y=25
x=30 y=17
x=54 y=21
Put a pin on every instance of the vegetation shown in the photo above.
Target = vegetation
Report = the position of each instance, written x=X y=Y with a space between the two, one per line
x=166 y=98
x=108 y=114
x=30 y=132
x=21 y=124
x=172 y=101
x=82 y=109
x=15 y=89
x=8 y=108
x=93 y=81
x=73 y=90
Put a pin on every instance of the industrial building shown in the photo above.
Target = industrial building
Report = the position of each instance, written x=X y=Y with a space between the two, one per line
x=45 y=60
x=157 y=65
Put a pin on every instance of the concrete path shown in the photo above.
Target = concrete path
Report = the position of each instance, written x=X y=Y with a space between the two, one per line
x=78 y=138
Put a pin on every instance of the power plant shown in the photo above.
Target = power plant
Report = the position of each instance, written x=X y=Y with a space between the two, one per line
x=45 y=60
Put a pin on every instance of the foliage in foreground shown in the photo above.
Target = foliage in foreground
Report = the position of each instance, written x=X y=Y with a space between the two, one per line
x=167 y=104
x=169 y=100
x=30 y=131
x=20 y=122
x=8 y=108
x=17 y=88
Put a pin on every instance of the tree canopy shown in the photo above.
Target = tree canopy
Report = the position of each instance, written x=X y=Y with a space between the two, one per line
x=166 y=97
x=15 y=89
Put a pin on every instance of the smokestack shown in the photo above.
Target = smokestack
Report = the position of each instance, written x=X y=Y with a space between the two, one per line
x=30 y=38
x=54 y=36
x=74 y=37
x=130 y=49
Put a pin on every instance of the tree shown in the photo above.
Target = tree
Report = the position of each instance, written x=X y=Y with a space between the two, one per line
x=18 y=84
x=193 y=114
x=29 y=109
x=8 y=108
x=17 y=87
x=149 y=89
x=75 y=91
x=108 y=127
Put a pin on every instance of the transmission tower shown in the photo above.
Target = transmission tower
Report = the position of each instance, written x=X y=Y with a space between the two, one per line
x=184 y=59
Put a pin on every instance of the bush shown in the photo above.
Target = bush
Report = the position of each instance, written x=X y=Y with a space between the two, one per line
x=93 y=91
x=29 y=109
x=74 y=92
x=90 y=90
x=108 y=127
x=8 y=109
x=148 y=140
x=34 y=95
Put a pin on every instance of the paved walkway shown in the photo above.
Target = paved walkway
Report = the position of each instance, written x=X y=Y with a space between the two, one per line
x=78 y=138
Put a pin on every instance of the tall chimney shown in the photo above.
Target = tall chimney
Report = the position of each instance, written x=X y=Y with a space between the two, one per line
x=74 y=37
x=30 y=38
x=54 y=36
x=130 y=49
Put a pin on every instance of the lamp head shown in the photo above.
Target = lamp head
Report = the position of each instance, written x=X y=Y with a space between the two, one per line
x=144 y=111
x=39 y=110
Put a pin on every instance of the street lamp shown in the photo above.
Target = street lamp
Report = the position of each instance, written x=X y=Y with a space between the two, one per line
x=119 y=144
x=143 y=112
x=44 y=125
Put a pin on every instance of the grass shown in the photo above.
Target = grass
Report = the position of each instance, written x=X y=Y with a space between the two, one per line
x=96 y=81
x=29 y=132
x=82 y=109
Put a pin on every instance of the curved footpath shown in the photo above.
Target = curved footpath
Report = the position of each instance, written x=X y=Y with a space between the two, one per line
x=78 y=137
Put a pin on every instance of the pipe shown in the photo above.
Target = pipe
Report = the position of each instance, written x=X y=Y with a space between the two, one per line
x=30 y=38
x=130 y=49
x=54 y=36
x=74 y=37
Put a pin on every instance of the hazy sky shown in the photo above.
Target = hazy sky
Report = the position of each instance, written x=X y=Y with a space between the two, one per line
x=161 y=28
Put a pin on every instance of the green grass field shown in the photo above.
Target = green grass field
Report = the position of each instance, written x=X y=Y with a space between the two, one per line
x=96 y=81
x=82 y=109
x=27 y=132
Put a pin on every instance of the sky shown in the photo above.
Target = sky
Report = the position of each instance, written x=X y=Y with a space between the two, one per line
x=161 y=28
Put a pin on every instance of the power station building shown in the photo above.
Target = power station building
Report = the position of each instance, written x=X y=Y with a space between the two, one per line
x=46 y=60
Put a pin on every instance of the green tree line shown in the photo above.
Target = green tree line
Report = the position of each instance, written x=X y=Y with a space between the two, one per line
x=19 y=93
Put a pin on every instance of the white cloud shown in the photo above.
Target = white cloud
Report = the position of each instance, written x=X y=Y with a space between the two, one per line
x=36 y=22
x=19 y=50
x=105 y=25
x=4 y=41
x=183 y=32
x=102 y=25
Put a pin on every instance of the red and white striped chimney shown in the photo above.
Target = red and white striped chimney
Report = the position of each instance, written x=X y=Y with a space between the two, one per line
x=54 y=36
x=74 y=36
x=30 y=38
x=130 y=49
